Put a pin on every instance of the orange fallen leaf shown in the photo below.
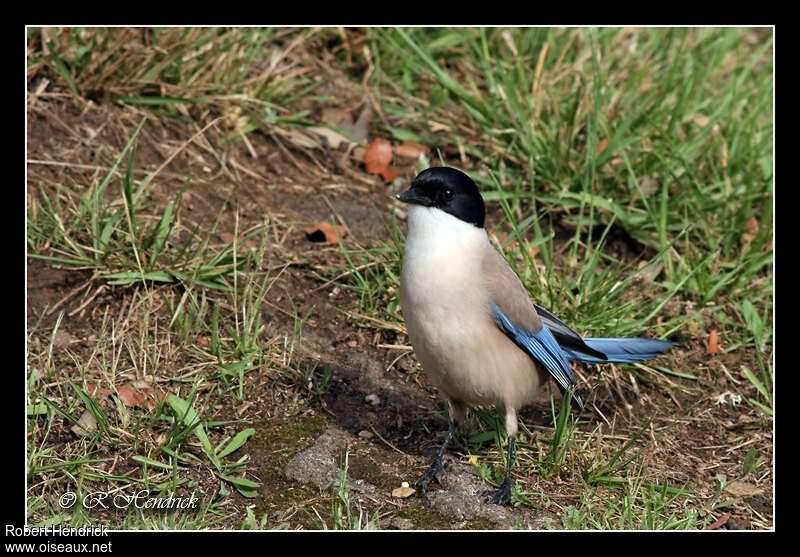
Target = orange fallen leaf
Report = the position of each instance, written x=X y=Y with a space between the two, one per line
x=389 y=174
x=720 y=522
x=751 y=231
x=378 y=155
x=410 y=150
x=325 y=232
x=713 y=342
x=139 y=394
x=98 y=392
x=534 y=251
x=131 y=396
x=602 y=146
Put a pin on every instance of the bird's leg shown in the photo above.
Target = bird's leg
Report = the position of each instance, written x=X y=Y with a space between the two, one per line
x=437 y=465
x=502 y=495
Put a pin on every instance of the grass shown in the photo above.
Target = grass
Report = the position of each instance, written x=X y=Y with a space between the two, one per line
x=672 y=145
x=347 y=513
x=639 y=507
x=209 y=339
x=629 y=180
x=111 y=236
x=172 y=70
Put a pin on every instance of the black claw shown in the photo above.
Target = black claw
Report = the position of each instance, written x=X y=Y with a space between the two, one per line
x=432 y=473
x=437 y=465
x=501 y=495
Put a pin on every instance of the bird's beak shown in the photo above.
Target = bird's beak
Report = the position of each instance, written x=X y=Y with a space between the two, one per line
x=415 y=196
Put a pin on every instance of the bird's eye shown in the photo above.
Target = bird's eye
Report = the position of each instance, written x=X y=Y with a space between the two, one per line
x=448 y=194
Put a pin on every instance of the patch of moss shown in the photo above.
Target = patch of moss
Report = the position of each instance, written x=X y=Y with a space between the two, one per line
x=297 y=432
x=269 y=445
x=424 y=518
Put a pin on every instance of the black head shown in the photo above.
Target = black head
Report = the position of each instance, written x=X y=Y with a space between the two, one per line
x=450 y=190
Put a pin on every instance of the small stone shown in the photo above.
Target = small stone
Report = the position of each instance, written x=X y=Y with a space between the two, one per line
x=373 y=399
x=364 y=434
x=399 y=523
x=404 y=484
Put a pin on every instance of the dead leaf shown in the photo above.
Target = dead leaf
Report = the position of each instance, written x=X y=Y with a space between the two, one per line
x=534 y=251
x=712 y=347
x=202 y=341
x=326 y=232
x=472 y=460
x=333 y=138
x=299 y=139
x=403 y=492
x=720 y=522
x=378 y=155
x=389 y=174
x=751 y=230
x=602 y=146
x=752 y=226
x=138 y=394
x=98 y=392
x=359 y=131
x=410 y=150
x=743 y=489
x=87 y=424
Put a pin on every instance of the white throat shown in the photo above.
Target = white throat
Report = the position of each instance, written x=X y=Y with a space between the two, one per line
x=436 y=238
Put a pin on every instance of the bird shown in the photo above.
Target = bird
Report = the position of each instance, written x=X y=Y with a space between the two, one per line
x=479 y=337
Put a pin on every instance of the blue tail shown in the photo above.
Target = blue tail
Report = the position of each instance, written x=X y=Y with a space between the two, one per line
x=620 y=350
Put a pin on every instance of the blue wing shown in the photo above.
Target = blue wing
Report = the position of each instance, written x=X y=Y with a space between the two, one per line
x=542 y=346
x=620 y=350
x=601 y=350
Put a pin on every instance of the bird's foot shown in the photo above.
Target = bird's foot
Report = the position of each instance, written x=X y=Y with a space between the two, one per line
x=501 y=495
x=432 y=473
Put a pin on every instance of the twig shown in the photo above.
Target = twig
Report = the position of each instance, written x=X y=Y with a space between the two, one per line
x=385 y=441
x=69 y=296
x=180 y=149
